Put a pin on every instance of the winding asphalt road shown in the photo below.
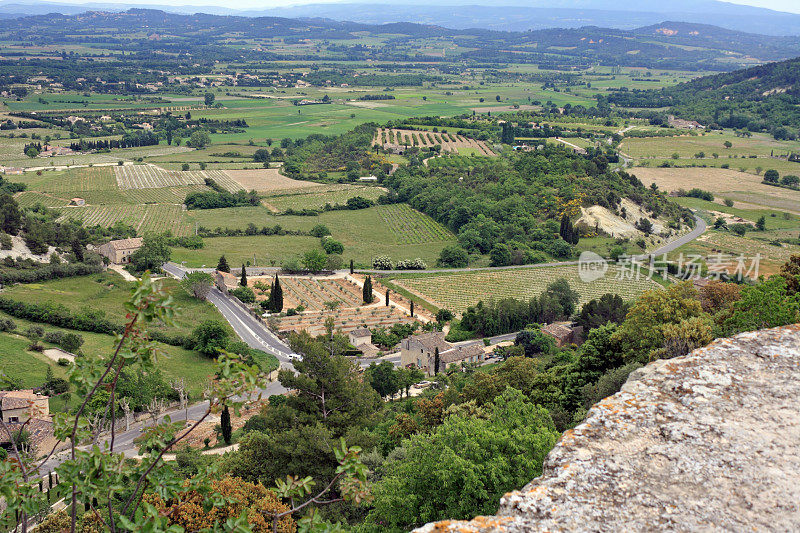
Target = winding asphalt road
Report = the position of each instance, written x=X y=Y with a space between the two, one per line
x=249 y=328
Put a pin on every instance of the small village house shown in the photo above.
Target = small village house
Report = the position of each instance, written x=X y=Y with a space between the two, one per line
x=564 y=333
x=25 y=409
x=120 y=251
x=360 y=336
x=417 y=349
x=469 y=354
x=420 y=351
x=20 y=405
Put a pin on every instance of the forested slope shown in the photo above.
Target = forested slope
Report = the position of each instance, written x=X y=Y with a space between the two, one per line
x=765 y=97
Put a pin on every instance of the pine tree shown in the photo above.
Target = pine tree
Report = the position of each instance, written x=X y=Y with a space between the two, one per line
x=225 y=424
x=436 y=361
x=367 y=291
x=222 y=266
x=243 y=280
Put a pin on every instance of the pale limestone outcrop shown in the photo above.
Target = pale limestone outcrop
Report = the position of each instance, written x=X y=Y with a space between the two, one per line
x=705 y=442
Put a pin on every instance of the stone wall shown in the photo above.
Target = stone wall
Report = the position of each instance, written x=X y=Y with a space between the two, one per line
x=705 y=442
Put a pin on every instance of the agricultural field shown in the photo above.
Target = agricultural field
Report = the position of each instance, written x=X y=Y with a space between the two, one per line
x=31 y=198
x=364 y=233
x=166 y=195
x=457 y=291
x=741 y=187
x=450 y=142
x=775 y=220
x=267 y=180
x=70 y=183
x=686 y=146
x=153 y=177
x=225 y=154
x=756 y=166
x=318 y=197
x=774 y=246
x=412 y=227
x=143 y=217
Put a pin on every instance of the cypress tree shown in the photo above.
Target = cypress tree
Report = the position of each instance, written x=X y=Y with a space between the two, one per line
x=351 y=266
x=243 y=281
x=222 y=266
x=275 y=300
x=412 y=308
x=387 y=297
x=225 y=424
x=436 y=361
x=564 y=229
x=367 y=291
x=276 y=296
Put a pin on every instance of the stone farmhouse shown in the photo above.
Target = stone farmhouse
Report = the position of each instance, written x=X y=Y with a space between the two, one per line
x=682 y=124
x=225 y=281
x=564 y=333
x=20 y=405
x=26 y=409
x=420 y=351
x=120 y=251
x=360 y=336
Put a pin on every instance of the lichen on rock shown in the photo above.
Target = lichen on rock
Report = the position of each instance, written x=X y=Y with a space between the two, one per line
x=705 y=442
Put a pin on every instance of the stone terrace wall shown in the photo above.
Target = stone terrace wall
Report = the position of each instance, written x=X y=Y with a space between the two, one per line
x=705 y=442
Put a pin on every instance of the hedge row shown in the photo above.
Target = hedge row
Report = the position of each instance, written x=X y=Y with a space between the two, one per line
x=60 y=316
x=54 y=271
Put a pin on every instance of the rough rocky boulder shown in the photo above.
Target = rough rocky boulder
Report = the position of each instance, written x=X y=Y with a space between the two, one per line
x=705 y=442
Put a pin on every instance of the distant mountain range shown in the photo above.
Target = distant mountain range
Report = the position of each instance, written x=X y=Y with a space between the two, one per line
x=515 y=15
x=666 y=45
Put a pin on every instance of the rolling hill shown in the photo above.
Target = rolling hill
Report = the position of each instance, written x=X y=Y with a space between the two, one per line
x=765 y=97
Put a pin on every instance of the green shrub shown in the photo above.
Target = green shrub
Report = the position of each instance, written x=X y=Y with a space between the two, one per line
x=244 y=294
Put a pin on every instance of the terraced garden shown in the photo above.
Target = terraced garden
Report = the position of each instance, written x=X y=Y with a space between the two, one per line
x=345 y=320
x=458 y=291
x=314 y=293
x=411 y=226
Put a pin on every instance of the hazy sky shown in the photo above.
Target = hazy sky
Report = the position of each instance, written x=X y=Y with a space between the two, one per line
x=791 y=6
